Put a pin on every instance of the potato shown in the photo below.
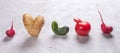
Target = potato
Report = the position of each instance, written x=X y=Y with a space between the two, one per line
x=33 y=26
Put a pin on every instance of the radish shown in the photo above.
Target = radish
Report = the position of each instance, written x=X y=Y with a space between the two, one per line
x=105 y=29
x=82 y=28
x=10 y=32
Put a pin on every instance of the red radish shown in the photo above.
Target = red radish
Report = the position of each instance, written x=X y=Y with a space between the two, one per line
x=10 y=32
x=82 y=28
x=105 y=29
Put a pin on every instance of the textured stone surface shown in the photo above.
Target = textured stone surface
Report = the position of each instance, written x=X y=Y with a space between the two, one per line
x=62 y=11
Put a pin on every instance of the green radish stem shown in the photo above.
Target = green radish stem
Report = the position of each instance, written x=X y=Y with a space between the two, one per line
x=59 y=31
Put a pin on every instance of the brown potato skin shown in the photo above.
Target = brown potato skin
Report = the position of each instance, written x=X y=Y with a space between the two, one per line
x=33 y=26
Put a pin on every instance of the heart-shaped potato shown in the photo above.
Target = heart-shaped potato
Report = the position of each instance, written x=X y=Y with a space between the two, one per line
x=33 y=26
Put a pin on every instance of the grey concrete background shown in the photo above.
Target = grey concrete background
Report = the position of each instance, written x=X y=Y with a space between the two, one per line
x=62 y=11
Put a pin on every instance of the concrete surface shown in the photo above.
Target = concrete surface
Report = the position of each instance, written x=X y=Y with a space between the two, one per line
x=62 y=11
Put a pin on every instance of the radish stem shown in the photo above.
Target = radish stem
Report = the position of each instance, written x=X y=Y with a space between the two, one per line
x=12 y=25
x=100 y=16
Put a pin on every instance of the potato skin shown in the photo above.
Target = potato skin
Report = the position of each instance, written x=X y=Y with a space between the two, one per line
x=33 y=26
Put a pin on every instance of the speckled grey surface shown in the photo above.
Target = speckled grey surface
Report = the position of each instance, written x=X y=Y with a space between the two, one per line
x=62 y=11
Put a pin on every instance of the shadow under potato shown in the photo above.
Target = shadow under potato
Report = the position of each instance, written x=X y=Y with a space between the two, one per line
x=108 y=35
x=7 y=39
x=30 y=41
x=82 y=39
x=59 y=36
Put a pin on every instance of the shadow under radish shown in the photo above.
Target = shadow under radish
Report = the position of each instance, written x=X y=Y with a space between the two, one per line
x=82 y=39
x=59 y=36
x=6 y=39
x=108 y=35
